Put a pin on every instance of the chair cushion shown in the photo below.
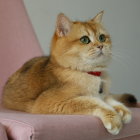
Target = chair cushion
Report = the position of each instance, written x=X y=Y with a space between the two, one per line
x=24 y=126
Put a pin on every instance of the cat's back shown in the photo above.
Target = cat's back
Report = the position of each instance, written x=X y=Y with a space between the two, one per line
x=27 y=83
x=30 y=70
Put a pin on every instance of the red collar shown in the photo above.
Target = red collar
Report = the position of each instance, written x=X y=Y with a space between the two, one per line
x=95 y=73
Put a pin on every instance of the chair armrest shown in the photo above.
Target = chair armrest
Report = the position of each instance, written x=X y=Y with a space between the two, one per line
x=63 y=127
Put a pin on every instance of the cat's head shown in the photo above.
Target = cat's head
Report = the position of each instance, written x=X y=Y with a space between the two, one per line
x=84 y=46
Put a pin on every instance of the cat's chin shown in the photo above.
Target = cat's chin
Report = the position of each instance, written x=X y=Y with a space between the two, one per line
x=101 y=61
x=95 y=64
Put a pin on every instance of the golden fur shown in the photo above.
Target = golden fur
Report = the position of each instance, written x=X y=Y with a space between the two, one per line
x=60 y=84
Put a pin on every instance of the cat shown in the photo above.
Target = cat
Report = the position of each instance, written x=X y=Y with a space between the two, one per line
x=73 y=79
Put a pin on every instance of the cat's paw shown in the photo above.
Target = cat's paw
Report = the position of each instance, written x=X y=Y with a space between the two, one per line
x=124 y=113
x=112 y=122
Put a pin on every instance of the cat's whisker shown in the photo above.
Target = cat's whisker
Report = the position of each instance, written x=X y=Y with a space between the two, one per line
x=120 y=61
x=125 y=64
x=120 y=55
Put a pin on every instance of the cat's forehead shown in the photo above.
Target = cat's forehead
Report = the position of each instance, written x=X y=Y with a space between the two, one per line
x=89 y=29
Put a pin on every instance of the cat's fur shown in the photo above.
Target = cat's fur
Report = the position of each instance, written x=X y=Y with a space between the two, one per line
x=60 y=84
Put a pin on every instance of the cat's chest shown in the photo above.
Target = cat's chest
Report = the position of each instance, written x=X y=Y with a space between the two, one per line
x=85 y=83
x=89 y=84
x=94 y=86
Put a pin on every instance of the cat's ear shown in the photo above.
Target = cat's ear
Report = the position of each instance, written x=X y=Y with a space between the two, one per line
x=63 y=25
x=98 y=17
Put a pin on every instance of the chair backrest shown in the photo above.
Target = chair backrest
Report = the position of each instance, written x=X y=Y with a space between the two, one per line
x=18 y=42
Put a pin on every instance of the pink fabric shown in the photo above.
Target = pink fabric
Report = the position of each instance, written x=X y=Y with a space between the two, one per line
x=3 y=135
x=137 y=137
x=22 y=126
x=18 y=42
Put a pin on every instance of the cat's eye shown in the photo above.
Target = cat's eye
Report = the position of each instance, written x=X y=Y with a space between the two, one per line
x=102 y=38
x=85 y=40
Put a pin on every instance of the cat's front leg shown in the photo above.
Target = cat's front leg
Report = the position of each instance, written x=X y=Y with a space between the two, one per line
x=110 y=118
x=121 y=109
x=84 y=105
x=97 y=107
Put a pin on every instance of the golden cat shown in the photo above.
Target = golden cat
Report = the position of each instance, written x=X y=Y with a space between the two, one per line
x=73 y=79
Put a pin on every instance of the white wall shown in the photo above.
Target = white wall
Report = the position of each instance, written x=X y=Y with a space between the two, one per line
x=122 y=19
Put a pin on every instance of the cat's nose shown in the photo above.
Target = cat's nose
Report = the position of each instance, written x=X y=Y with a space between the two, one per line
x=100 y=47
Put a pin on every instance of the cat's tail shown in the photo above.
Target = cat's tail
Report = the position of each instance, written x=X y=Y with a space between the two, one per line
x=127 y=99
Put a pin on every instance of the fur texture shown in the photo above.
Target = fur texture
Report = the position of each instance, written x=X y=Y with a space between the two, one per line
x=60 y=84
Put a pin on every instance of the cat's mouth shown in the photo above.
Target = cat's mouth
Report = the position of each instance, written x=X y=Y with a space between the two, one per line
x=103 y=56
x=101 y=53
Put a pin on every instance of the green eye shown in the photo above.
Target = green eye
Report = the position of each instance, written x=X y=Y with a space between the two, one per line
x=102 y=38
x=85 y=40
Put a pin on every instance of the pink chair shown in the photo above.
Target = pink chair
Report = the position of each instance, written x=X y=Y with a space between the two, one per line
x=18 y=43
x=3 y=135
